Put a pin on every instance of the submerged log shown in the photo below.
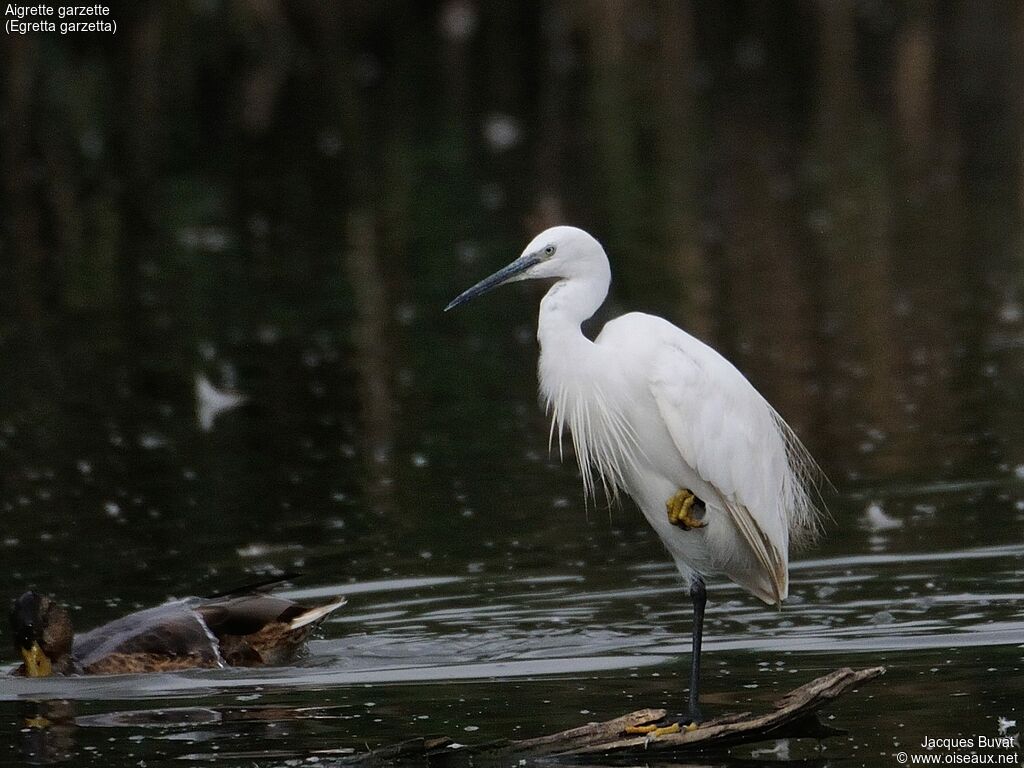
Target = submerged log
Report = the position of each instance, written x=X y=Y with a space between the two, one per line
x=794 y=716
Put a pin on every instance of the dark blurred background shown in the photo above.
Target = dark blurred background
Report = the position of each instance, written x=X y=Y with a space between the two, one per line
x=280 y=196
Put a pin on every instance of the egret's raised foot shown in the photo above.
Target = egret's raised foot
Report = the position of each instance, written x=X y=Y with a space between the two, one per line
x=686 y=510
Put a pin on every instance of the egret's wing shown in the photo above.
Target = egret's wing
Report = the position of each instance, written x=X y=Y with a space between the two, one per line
x=727 y=433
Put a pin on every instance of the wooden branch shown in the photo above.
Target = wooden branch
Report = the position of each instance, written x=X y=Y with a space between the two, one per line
x=795 y=716
x=592 y=733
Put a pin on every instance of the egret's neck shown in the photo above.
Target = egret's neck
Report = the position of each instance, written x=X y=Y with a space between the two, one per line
x=567 y=304
x=574 y=375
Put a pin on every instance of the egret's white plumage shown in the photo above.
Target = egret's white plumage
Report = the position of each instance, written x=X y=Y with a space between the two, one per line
x=653 y=410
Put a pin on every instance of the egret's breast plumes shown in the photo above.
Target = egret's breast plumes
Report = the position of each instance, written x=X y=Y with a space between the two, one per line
x=606 y=445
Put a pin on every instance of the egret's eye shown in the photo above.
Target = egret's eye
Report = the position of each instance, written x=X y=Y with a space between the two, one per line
x=549 y=251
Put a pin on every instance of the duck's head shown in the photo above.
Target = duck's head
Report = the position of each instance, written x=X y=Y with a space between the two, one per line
x=42 y=634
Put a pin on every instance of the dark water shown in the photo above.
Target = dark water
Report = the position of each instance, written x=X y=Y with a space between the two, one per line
x=282 y=201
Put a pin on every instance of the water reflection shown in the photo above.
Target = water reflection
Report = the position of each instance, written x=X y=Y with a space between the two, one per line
x=47 y=731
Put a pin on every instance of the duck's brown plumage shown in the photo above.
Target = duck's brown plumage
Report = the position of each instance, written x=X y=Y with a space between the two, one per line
x=235 y=630
x=254 y=630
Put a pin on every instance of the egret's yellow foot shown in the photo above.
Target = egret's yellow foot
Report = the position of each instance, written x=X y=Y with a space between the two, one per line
x=654 y=731
x=685 y=510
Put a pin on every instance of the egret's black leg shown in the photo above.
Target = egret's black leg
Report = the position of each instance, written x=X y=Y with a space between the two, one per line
x=699 y=596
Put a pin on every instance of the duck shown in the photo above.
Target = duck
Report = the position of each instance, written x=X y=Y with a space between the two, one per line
x=251 y=629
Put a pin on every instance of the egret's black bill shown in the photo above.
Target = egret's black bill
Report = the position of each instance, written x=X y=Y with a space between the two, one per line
x=503 y=275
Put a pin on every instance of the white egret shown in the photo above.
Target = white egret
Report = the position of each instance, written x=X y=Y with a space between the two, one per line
x=655 y=412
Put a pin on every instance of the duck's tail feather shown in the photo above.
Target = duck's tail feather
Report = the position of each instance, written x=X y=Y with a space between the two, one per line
x=316 y=614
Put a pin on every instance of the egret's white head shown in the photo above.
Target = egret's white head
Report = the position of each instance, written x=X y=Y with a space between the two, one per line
x=559 y=252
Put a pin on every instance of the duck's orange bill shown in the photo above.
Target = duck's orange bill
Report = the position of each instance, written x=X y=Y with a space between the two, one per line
x=36 y=662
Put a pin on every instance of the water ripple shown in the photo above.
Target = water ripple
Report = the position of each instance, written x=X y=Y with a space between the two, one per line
x=458 y=628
